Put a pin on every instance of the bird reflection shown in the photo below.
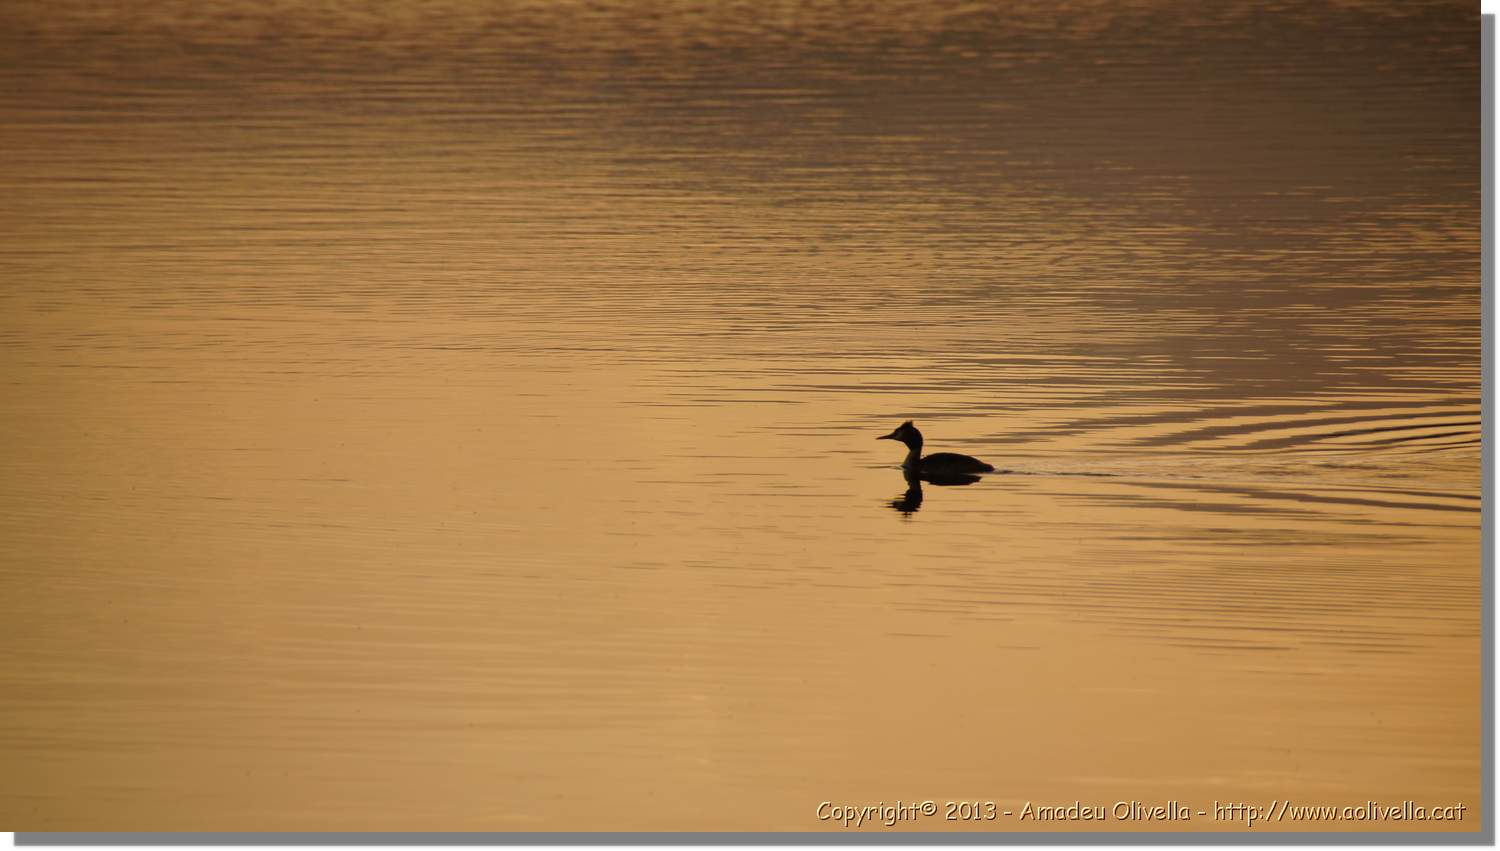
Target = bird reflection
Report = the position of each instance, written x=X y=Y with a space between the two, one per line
x=911 y=501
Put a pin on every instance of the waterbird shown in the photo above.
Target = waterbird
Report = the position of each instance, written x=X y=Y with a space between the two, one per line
x=938 y=464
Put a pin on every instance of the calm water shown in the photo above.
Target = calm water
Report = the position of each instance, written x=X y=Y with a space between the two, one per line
x=463 y=416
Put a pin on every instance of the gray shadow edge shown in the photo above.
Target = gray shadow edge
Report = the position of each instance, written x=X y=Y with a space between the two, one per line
x=1480 y=837
x=1487 y=420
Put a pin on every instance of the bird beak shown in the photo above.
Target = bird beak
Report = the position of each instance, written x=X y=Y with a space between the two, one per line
x=891 y=436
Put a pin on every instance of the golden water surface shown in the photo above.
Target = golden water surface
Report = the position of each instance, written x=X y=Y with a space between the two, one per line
x=462 y=415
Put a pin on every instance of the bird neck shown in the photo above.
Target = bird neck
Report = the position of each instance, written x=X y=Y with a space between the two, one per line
x=913 y=453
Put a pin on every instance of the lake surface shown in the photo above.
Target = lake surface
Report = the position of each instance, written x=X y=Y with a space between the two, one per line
x=463 y=416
